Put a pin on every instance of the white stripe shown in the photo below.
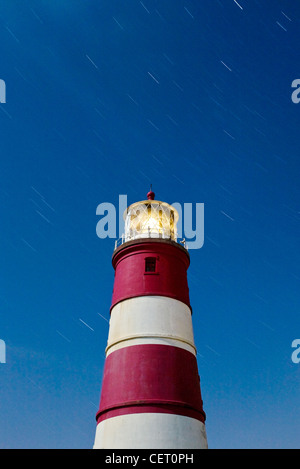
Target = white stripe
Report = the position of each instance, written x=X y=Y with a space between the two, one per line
x=151 y=431
x=151 y=319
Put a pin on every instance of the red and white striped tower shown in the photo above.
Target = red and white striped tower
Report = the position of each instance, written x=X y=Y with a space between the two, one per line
x=151 y=396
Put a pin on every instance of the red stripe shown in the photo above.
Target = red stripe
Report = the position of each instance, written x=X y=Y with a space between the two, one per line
x=170 y=278
x=151 y=378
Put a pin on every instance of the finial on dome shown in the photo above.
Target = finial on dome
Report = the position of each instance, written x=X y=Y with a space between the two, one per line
x=150 y=195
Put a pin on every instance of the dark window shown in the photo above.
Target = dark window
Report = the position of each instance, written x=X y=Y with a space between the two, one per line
x=150 y=264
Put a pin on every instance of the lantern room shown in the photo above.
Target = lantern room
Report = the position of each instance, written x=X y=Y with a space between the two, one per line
x=151 y=219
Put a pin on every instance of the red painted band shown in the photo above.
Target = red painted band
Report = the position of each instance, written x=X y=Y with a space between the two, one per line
x=151 y=378
x=132 y=278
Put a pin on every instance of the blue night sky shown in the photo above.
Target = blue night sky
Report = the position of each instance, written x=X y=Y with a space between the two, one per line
x=103 y=98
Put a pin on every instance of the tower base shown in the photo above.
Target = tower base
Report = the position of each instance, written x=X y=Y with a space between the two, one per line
x=151 y=431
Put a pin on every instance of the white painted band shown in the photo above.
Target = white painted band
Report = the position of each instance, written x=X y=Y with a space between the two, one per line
x=151 y=431
x=151 y=319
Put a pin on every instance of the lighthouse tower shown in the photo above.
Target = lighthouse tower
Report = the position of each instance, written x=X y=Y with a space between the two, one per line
x=150 y=396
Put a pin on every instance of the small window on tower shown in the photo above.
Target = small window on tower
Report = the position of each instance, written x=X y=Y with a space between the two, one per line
x=150 y=264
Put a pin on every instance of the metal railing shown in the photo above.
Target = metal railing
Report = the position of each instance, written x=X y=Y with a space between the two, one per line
x=125 y=239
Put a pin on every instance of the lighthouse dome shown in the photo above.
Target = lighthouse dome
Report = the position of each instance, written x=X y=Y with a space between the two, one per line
x=151 y=219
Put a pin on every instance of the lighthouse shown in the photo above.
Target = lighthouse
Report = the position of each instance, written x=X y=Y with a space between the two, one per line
x=150 y=397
